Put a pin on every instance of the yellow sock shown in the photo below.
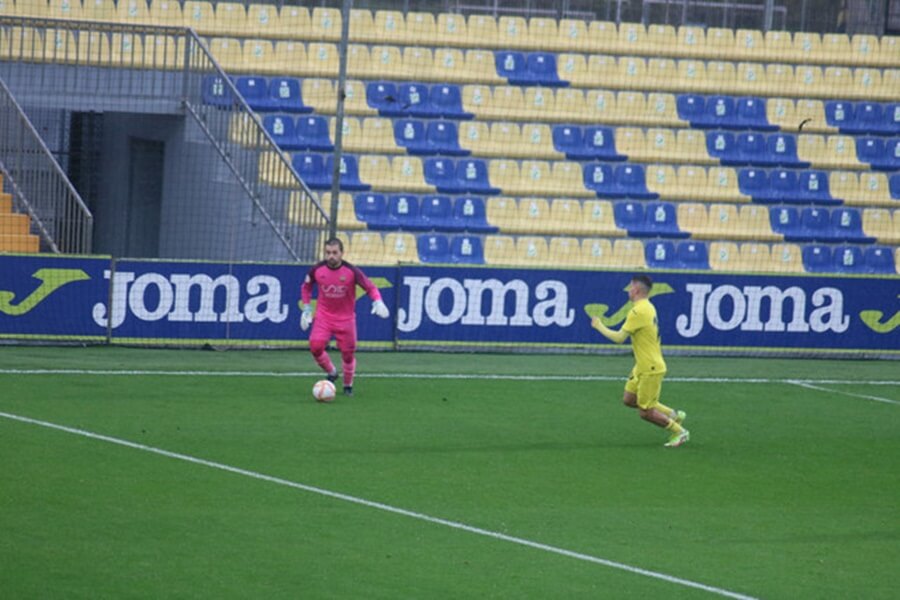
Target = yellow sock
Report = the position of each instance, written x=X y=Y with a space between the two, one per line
x=674 y=427
x=669 y=412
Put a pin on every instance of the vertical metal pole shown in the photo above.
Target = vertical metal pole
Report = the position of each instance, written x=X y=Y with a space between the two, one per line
x=339 y=118
x=770 y=11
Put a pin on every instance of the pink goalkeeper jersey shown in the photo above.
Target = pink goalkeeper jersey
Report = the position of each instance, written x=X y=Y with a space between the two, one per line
x=337 y=290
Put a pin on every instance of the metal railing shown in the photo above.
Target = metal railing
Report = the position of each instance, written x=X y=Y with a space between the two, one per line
x=38 y=185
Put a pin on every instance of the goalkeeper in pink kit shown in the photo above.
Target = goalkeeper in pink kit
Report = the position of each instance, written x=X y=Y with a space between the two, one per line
x=336 y=310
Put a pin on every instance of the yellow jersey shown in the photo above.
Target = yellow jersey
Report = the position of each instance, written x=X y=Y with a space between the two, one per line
x=643 y=328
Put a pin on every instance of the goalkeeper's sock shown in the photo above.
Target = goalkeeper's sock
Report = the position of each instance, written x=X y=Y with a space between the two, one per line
x=669 y=412
x=324 y=361
x=349 y=368
x=674 y=427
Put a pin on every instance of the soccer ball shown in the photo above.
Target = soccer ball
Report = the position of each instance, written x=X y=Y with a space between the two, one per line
x=323 y=391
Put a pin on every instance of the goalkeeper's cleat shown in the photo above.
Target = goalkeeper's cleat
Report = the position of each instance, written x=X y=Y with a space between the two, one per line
x=348 y=390
x=680 y=416
x=678 y=439
x=332 y=377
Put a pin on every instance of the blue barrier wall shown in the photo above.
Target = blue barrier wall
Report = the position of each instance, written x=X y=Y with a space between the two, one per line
x=166 y=302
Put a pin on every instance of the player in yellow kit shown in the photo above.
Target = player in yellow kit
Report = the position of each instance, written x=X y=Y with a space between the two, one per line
x=645 y=381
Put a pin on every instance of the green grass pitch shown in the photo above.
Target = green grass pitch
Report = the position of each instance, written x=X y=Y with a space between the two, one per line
x=454 y=487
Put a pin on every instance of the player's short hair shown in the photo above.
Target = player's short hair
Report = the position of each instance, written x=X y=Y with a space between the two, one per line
x=644 y=280
x=335 y=242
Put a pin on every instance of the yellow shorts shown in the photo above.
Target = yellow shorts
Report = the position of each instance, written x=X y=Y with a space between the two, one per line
x=646 y=387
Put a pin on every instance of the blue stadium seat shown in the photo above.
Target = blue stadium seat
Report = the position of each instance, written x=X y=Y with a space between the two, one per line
x=721 y=145
x=815 y=226
x=255 y=91
x=751 y=150
x=841 y=114
x=470 y=213
x=437 y=213
x=754 y=182
x=447 y=100
x=632 y=182
x=286 y=95
x=721 y=113
x=751 y=114
x=781 y=149
x=894 y=185
x=441 y=173
x=415 y=100
x=382 y=96
x=600 y=143
x=848 y=259
x=784 y=187
x=434 y=248
x=816 y=258
x=403 y=212
x=813 y=187
x=215 y=92
x=785 y=220
x=661 y=254
x=411 y=134
x=846 y=224
x=870 y=120
x=371 y=209
x=283 y=131
x=467 y=249
x=892 y=117
x=349 y=173
x=660 y=220
x=883 y=155
x=513 y=66
x=443 y=138
x=691 y=108
x=879 y=259
x=629 y=216
x=312 y=133
x=569 y=140
x=541 y=70
x=472 y=175
x=311 y=169
x=693 y=255
x=599 y=178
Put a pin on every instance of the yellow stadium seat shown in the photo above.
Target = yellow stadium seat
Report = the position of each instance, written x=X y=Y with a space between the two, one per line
x=566 y=216
x=59 y=45
x=663 y=72
x=661 y=40
x=720 y=44
x=779 y=46
x=274 y=171
x=691 y=42
x=503 y=212
x=163 y=52
x=691 y=145
x=538 y=104
x=476 y=137
x=262 y=20
x=567 y=177
x=346 y=216
x=865 y=49
x=289 y=58
x=721 y=76
x=724 y=256
x=228 y=53
x=93 y=48
x=499 y=250
x=532 y=251
x=632 y=39
x=477 y=99
x=599 y=219
x=750 y=79
x=603 y=68
x=507 y=102
x=749 y=45
x=600 y=107
x=692 y=217
x=890 y=84
x=481 y=67
x=755 y=257
x=844 y=185
x=537 y=142
x=378 y=171
x=786 y=258
x=384 y=62
x=418 y=64
x=754 y=223
x=127 y=50
x=326 y=23
x=400 y=248
x=808 y=81
x=505 y=140
x=321 y=60
x=874 y=189
x=692 y=184
x=230 y=19
x=691 y=76
x=572 y=35
x=166 y=13
x=407 y=175
x=723 y=183
x=629 y=253
x=241 y=130
x=450 y=65
x=603 y=36
x=780 y=77
x=661 y=179
x=661 y=145
x=868 y=83
x=836 y=48
x=573 y=68
x=889 y=50
x=631 y=142
x=378 y=136
x=565 y=252
x=352 y=136
x=780 y=111
x=536 y=179
x=383 y=28
x=837 y=82
x=419 y=26
x=632 y=73
x=841 y=153
x=355 y=99
x=56 y=9
x=258 y=58
x=570 y=105
x=512 y=32
x=367 y=248
x=630 y=107
x=807 y=48
x=542 y=33
x=482 y=31
x=661 y=110
x=879 y=223
x=101 y=10
x=597 y=253
x=450 y=30
x=812 y=112
x=722 y=222
x=199 y=15
x=534 y=215
x=294 y=22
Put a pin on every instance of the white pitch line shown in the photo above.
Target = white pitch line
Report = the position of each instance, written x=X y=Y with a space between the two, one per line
x=482 y=376
x=864 y=396
x=380 y=506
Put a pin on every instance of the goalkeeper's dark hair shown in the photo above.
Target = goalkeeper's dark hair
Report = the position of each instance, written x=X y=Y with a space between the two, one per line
x=335 y=242
x=644 y=280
